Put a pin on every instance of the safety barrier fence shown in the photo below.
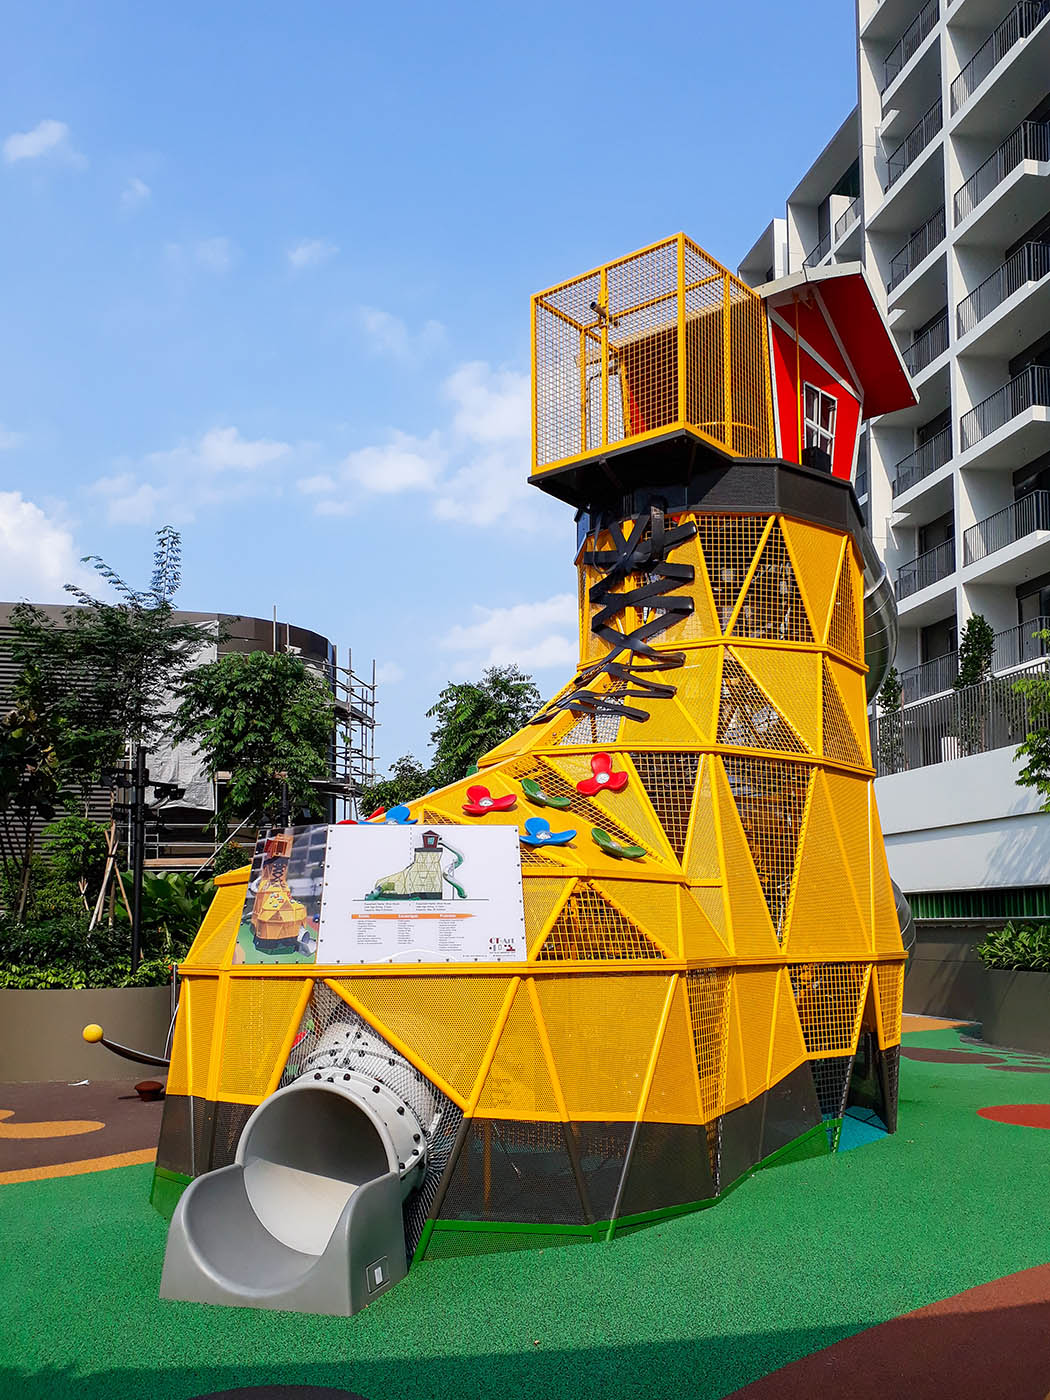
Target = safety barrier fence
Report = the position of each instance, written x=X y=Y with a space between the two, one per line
x=910 y=41
x=923 y=461
x=925 y=349
x=1013 y=647
x=846 y=219
x=1029 y=141
x=1007 y=526
x=919 y=246
x=1031 y=263
x=1029 y=389
x=913 y=145
x=931 y=567
x=1017 y=25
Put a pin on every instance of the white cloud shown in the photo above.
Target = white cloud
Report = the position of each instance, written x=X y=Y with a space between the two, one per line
x=215 y=255
x=404 y=463
x=389 y=673
x=37 y=555
x=317 y=485
x=135 y=192
x=535 y=636
x=310 y=252
x=10 y=440
x=48 y=137
x=174 y=485
x=389 y=335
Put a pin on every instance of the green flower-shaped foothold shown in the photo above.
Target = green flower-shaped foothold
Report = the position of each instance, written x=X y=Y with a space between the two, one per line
x=603 y=839
x=535 y=793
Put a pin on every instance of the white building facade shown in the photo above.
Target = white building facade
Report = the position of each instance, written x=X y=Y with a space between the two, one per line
x=939 y=183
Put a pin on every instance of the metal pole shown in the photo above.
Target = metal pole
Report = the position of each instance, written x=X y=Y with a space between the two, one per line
x=138 y=852
x=284 y=805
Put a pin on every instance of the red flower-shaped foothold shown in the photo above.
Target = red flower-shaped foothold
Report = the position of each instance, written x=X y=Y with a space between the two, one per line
x=603 y=778
x=481 y=802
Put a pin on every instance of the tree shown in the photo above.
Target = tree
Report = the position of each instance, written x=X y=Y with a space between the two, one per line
x=408 y=780
x=474 y=716
x=1035 y=749
x=267 y=721
x=976 y=648
x=77 y=850
x=891 y=723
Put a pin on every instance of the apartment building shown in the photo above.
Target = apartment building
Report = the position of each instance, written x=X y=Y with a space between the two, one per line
x=939 y=184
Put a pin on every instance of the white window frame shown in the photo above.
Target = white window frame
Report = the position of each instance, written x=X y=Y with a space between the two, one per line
x=815 y=434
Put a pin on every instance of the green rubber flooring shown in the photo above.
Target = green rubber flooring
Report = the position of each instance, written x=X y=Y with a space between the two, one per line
x=797 y=1258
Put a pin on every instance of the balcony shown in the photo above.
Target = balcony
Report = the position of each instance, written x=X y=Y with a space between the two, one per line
x=1018 y=24
x=924 y=350
x=1030 y=389
x=816 y=255
x=846 y=220
x=1029 y=141
x=1031 y=263
x=922 y=462
x=929 y=568
x=1005 y=527
x=917 y=249
x=929 y=678
x=913 y=145
x=909 y=42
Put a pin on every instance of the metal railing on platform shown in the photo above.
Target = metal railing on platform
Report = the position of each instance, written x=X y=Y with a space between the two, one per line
x=909 y=42
x=913 y=145
x=928 y=568
x=846 y=219
x=1029 y=141
x=1014 y=522
x=923 y=461
x=1031 y=263
x=925 y=349
x=1017 y=25
x=919 y=246
x=1026 y=390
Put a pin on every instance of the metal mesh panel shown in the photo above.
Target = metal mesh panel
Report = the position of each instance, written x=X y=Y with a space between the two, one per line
x=828 y=997
x=333 y=1037
x=708 y=991
x=770 y=796
x=643 y=338
x=592 y=729
x=214 y=941
x=702 y=862
x=669 y=780
x=701 y=624
x=518 y=1084
x=530 y=856
x=230 y=1119
x=199 y=997
x=747 y=717
x=729 y=544
x=890 y=980
x=843 y=632
x=651 y=905
x=258 y=1018
x=542 y=897
x=831 y=1080
x=633 y=812
x=773 y=608
x=600 y=1151
x=818 y=553
x=563 y=352
x=839 y=739
x=589 y=929
x=516 y=1171
x=791 y=679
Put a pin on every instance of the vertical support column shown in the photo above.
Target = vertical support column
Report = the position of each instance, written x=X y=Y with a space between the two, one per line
x=535 y=424
x=603 y=300
x=727 y=364
x=583 y=390
x=683 y=364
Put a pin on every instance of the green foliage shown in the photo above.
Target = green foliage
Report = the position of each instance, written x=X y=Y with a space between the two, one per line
x=62 y=953
x=230 y=857
x=408 y=780
x=976 y=646
x=173 y=908
x=472 y=717
x=76 y=849
x=1017 y=948
x=265 y=719
x=1035 y=751
x=891 y=724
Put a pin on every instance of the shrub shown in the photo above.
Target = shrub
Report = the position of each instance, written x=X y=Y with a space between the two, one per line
x=1017 y=948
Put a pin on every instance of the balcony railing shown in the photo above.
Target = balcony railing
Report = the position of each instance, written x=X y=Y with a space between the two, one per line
x=909 y=42
x=1029 y=141
x=929 y=678
x=1021 y=518
x=1019 y=645
x=922 y=461
x=976 y=719
x=819 y=253
x=924 y=350
x=846 y=219
x=1016 y=646
x=1017 y=25
x=1030 y=263
x=913 y=145
x=931 y=567
x=1026 y=390
x=919 y=246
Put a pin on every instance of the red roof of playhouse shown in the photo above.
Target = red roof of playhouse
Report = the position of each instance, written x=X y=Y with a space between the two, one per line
x=851 y=331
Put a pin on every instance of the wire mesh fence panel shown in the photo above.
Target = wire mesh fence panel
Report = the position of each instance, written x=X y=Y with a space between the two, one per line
x=772 y=609
x=828 y=999
x=770 y=796
x=708 y=991
x=747 y=718
x=669 y=780
x=589 y=928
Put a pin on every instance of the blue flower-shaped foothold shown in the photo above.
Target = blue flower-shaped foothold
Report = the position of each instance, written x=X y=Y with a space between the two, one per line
x=398 y=816
x=538 y=833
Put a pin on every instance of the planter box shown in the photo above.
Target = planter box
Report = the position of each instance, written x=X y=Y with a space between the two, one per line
x=1015 y=1011
x=40 y=1032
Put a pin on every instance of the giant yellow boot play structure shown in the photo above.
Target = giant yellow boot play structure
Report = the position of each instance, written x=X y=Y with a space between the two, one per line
x=713 y=964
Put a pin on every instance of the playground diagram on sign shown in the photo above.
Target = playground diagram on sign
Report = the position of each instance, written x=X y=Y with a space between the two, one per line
x=422 y=894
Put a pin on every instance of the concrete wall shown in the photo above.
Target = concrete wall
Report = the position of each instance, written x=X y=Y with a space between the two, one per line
x=964 y=825
x=40 y=1032
x=944 y=976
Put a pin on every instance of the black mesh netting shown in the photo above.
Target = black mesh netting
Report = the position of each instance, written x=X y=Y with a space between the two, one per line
x=831 y=1079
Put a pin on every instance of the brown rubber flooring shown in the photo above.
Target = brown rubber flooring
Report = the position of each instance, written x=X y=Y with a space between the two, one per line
x=989 y=1343
x=45 y=1125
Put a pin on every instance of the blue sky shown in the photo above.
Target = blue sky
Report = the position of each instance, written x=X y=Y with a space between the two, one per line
x=267 y=279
